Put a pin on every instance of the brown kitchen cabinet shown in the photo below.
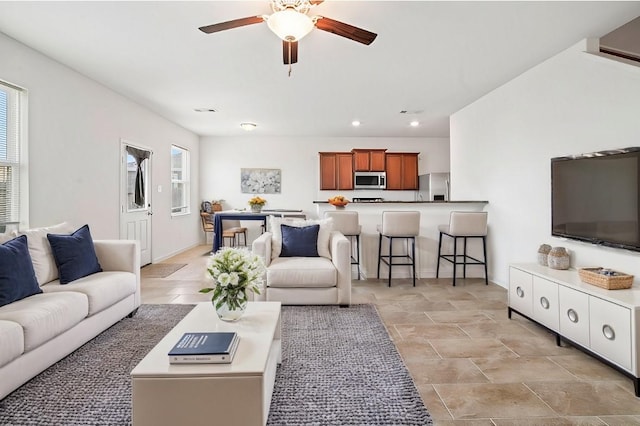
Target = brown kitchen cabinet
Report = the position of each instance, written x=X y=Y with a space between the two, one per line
x=402 y=170
x=336 y=170
x=368 y=160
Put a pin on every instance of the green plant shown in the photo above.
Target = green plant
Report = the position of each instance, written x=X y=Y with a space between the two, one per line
x=234 y=272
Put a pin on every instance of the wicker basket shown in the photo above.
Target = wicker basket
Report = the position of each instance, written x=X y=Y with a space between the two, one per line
x=610 y=282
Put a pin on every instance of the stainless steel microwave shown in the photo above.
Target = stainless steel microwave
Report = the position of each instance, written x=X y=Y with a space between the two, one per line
x=370 y=180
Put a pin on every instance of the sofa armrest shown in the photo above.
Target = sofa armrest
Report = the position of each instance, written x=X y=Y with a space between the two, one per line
x=341 y=258
x=262 y=247
x=118 y=255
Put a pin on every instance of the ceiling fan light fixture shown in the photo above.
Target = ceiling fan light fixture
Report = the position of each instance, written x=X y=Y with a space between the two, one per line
x=290 y=25
x=248 y=126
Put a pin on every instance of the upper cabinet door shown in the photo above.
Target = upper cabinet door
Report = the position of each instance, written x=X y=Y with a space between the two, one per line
x=377 y=160
x=328 y=171
x=345 y=170
x=394 y=171
x=360 y=161
x=402 y=171
x=336 y=170
x=410 y=171
x=368 y=160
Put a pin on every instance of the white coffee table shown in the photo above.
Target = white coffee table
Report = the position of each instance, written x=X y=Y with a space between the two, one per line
x=205 y=394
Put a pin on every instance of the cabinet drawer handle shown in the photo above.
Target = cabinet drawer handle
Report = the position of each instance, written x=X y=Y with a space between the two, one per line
x=573 y=315
x=608 y=332
x=544 y=302
x=519 y=291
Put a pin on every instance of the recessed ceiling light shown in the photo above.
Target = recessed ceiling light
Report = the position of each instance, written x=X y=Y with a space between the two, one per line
x=414 y=123
x=355 y=123
x=248 y=126
x=205 y=110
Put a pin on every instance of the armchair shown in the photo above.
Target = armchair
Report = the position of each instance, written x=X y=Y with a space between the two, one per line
x=306 y=280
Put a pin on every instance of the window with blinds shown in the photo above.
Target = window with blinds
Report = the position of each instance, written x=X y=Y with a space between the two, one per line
x=10 y=148
x=180 y=178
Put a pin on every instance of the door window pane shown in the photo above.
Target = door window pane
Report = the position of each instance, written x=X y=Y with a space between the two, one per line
x=180 y=176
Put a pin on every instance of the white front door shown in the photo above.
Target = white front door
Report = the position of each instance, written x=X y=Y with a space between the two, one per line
x=135 y=199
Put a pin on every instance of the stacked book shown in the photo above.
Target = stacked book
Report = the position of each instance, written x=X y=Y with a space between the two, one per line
x=205 y=348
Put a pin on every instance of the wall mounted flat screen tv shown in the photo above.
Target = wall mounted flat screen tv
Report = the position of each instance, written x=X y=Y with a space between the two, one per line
x=596 y=198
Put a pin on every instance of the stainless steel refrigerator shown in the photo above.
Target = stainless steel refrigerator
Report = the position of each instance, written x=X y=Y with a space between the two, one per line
x=434 y=187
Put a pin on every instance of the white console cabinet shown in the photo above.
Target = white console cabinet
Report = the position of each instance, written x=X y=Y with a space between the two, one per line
x=604 y=323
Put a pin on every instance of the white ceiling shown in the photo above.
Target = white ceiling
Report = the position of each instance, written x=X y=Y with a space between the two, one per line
x=430 y=58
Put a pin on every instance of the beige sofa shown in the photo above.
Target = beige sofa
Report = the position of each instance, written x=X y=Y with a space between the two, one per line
x=39 y=330
x=321 y=280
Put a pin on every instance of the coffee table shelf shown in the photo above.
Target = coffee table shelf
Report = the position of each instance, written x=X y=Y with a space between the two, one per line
x=238 y=393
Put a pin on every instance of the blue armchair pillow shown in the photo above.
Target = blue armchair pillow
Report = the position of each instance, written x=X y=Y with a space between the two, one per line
x=299 y=241
x=17 y=278
x=74 y=255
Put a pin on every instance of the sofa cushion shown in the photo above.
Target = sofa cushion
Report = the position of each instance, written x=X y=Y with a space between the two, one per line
x=299 y=241
x=46 y=315
x=43 y=263
x=301 y=272
x=102 y=289
x=74 y=254
x=11 y=341
x=326 y=226
x=17 y=279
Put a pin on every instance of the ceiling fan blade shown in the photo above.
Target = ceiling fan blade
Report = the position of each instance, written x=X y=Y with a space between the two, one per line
x=289 y=52
x=214 y=28
x=345 y=30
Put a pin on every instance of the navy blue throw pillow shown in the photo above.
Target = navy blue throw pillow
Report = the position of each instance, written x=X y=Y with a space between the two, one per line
x=299 y=241
x=74 y=255
x=17 y=278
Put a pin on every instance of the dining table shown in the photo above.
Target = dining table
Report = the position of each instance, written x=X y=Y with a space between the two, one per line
x=219 y=217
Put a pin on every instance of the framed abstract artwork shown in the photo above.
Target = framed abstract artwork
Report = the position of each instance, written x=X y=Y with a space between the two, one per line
x=260 y=181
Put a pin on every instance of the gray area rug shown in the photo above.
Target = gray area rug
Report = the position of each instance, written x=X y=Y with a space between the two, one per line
x=339 y=368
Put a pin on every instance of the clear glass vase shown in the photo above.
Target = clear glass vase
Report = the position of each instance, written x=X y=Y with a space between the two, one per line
x=229 y=311
x=256 y=208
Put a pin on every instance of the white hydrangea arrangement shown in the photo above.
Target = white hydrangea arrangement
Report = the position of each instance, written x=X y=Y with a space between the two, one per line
x=234 y=272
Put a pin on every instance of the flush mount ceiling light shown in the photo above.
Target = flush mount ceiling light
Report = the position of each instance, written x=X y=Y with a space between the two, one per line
x=414 y=123
x=355 y=123
x=248 y=126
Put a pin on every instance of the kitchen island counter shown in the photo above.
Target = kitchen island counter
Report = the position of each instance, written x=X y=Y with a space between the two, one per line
x=409 y=202
x=432 y=214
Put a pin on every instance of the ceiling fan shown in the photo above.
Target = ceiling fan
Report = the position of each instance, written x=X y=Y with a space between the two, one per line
x=290 y=21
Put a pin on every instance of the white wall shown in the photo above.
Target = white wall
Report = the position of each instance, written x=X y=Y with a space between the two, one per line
x=75 y=128
x=501 y=145
x=222 y=158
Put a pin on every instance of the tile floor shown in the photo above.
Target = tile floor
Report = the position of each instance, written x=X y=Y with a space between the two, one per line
x=471 y=364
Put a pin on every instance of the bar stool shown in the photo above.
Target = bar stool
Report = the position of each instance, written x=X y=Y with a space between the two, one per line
x=464 y=225
x=348 y=223
x=399 y=225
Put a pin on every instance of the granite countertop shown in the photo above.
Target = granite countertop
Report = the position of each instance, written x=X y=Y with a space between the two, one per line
x=407 y=202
